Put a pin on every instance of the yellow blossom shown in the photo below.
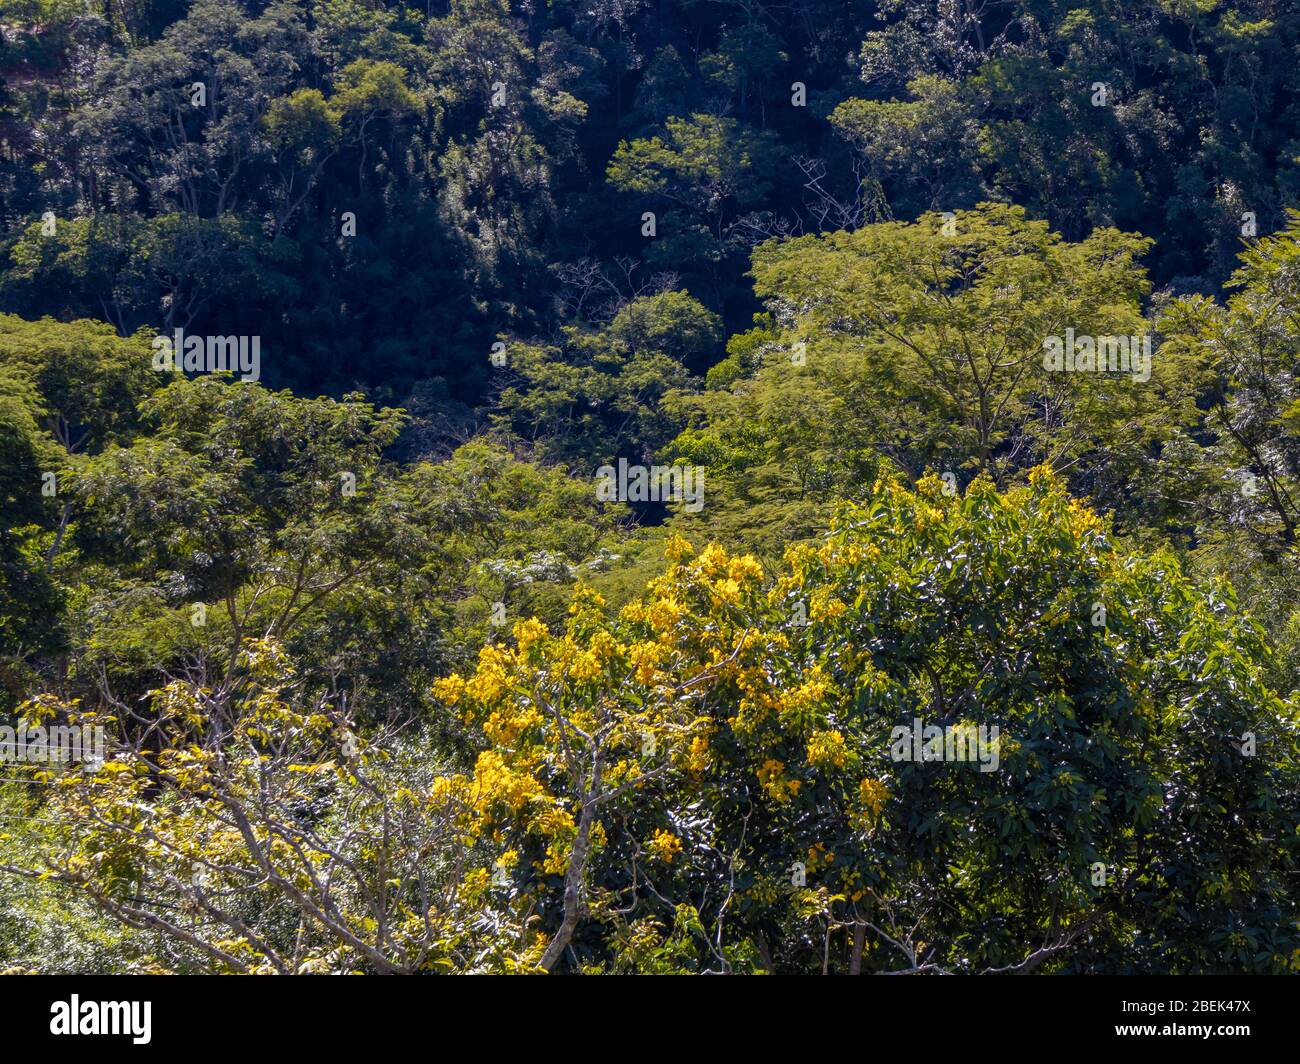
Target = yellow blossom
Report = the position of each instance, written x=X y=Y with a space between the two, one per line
x=449 y=688
x=645 y=658
x=498 y=782
x=712 y=560
x=663 y=613
x=825 y=606
x=874 y=794
x=819 y=857
x=586 y=666
x=488 y=684
x=586 y=604
x=504 y=728
x=665 y=845
x=745 y=569
x=528 y=632
x=726 y=591
x=697 y=760
x=826 y=749
x=772 y=778
x=678 y=549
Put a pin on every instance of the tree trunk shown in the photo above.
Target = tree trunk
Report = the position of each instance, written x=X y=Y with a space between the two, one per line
x=859 y=942
x=573 y=881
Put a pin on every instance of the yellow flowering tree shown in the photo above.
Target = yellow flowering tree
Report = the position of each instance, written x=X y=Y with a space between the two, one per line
x=960 y=734
x=597 y=726
x=267 y=836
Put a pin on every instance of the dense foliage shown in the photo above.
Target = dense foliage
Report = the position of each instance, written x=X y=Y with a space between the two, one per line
x=970 y=332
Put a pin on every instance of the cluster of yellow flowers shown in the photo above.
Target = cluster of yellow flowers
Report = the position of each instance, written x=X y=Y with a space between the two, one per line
x=722 y=578
x=772 y=778
x=678 y=549
x=1082 y=521
x=645 y=659
x=804 y=705
x=758 y=704
x=584 y=665
x=586 y=605
x=492 y=677
x=698 y=757
x=827 y=749
x=449 y=689
x=825 y=606
x=505 y=728
x=529 y=633
x=556 y=824
x=623 y=772
x=818 y=857
x=497 y=782
x=725 y=591
x=711 y=562
x=662 y=615
x=873 y=795
x=664 y=845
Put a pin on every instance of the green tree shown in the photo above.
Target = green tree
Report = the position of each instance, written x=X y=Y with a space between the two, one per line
x=707 y=168
x=600 y=395
x=926 y=343
x=714 y=780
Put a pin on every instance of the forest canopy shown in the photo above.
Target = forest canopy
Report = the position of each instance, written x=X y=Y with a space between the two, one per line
x=700 y=487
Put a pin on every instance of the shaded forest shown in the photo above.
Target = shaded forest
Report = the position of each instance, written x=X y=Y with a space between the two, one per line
x=612 y=427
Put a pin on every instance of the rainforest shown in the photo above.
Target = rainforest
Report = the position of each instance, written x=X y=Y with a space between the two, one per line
x=629 y=487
